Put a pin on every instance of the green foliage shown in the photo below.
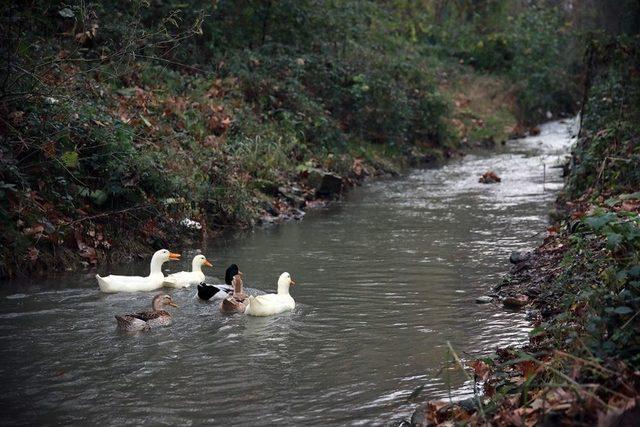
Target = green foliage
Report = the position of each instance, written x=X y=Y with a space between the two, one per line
x=599 y=287
x=536 y=47
x=612 y=322
x=605 y=158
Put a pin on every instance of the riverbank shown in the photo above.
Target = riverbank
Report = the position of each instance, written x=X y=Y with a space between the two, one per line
x=580 y=285
x=168 y=124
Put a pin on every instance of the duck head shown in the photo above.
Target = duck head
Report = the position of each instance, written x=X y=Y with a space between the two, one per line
x=160 y=300
x=232 y=270
x=160 y=257
x=284 y=281
x=198 y=262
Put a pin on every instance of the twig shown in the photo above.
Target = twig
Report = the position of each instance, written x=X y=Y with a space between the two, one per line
x=459 y=362
x=585 y=361
x=629 y=321
x=86 y=218
x=156 y=58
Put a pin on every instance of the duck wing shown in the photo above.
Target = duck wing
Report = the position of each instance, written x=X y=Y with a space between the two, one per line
x=154 y=318
x=149 y=315
x=182 y=279
x=231 y=305
x=207 y=291
x=130 y=323
x=113 y=283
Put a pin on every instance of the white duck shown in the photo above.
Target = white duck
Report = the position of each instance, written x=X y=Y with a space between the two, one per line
x=137 y=283
x=185 y=279
x=270 y=304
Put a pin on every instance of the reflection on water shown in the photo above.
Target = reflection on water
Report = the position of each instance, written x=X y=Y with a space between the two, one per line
x=386 y=277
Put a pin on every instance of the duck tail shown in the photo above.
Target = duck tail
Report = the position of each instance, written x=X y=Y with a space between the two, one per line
x=205 y=292
x=123 y=323
x=227 y=306
x=104 y=286
x=252 y=305
x=168 y=280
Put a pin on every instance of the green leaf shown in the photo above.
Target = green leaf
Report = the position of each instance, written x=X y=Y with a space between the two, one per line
x=70 y=159
x=66 y=13
x=613 y=240
x=536 y=331
x=597 y=222
x=623 y=310
x=98 y=197
x=612 y=202
x=635 y=195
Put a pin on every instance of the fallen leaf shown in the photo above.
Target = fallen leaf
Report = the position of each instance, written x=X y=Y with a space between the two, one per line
x=36 y=229
x=32 y=254
x=480 y=369
x=527 y=368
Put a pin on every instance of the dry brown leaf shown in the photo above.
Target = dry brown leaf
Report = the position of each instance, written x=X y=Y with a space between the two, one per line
x=480 y=369
x=32 y=254
x=31 y=231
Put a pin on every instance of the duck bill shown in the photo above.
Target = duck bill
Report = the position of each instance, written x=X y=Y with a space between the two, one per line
x=293 y=282
x=207 y=263
x=173 y=304
x=174 y=257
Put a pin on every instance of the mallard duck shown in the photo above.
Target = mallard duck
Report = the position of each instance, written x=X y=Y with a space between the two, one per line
x=234 y=303
x=137 y=283
x=185 y=279
x=146 y=320
x=270 y=304
x=207 y=291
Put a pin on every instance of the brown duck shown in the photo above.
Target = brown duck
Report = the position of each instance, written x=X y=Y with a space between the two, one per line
x=145 y=320
x=236 y=302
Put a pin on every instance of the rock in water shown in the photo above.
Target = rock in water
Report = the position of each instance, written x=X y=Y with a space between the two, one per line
x=489 y=177
x=519 y=256
x=515 y=302
x=418 y=418
x=325 y=183
x=485 y=299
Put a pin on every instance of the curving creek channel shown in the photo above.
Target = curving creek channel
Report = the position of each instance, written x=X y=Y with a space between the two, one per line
x=386 y=277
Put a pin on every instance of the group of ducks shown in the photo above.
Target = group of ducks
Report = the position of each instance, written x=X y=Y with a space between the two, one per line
x=234 y=300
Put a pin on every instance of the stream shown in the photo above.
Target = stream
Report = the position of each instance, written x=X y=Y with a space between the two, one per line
x=386 y=277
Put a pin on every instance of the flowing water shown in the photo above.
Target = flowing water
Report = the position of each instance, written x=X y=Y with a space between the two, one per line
x=386 y=277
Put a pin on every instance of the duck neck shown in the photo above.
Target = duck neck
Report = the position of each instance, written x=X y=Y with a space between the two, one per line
x=237 y=285
x=283 y=289
x=156 y=264
x=156 y=303
x=196 y=267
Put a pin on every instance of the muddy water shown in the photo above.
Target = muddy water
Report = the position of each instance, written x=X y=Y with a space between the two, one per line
x=386 y=277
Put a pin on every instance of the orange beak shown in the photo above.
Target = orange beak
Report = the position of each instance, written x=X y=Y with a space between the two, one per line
x=293 y=282
x=174 y=257
x=172 y=304
x=207 y=263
